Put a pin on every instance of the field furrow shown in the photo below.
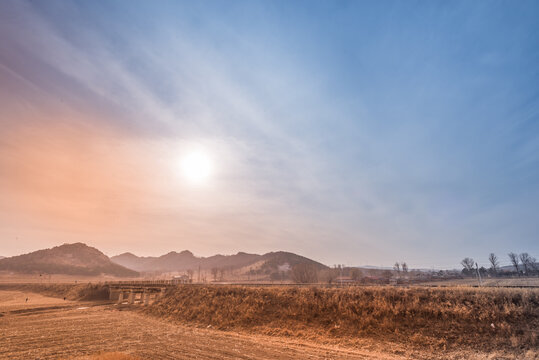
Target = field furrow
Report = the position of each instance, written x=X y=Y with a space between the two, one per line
x=71 y=333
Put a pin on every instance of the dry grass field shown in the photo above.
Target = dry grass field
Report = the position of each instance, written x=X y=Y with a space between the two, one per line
x=418 y=318
x=232 y=322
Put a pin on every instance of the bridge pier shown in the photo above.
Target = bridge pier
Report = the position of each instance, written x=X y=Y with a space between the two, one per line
x=121 y=297
x=114 y=294
x=146 y=297
x=131 y=299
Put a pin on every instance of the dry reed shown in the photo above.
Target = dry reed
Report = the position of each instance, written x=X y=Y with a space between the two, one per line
x=438 y=318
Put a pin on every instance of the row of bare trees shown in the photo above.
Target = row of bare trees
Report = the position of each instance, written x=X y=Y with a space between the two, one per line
x=402 y=266
x=304 y=273
x=529 y=263
x=309 y=273
x=522 y=263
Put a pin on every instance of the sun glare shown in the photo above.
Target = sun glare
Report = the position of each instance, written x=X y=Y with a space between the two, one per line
x=196 y=166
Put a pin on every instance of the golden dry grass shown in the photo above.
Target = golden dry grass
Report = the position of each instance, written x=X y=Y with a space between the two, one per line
x=448 y=318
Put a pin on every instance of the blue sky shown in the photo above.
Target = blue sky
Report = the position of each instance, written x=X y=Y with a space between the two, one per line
x=350 y=132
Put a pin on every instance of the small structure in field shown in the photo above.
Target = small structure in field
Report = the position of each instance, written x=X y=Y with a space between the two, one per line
x=181 y=279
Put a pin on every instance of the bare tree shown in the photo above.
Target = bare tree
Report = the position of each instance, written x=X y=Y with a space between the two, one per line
x=468 y=265
x=404 y=267
x=494 y=263
x=397 y=267
x=221 y=274
x=526 y=261
x=190 y=273
x=533 y=264
x=356 y=274
x=214 y=273
x=514 y=260
x=329 y=275
x=304 y=273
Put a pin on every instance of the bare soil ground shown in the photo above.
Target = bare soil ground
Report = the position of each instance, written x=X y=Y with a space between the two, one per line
x=18 y=300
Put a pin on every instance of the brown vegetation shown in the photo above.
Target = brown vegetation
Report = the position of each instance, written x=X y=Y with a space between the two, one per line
x=490 y=319
x=304 y=273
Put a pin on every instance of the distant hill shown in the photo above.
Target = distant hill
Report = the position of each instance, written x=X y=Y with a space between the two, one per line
x=70 y=259
x=511 y=268
x=185 y=260
x=131 y=261
x=279 y=258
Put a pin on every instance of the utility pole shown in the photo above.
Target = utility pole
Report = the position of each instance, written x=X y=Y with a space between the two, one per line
x=478 y=274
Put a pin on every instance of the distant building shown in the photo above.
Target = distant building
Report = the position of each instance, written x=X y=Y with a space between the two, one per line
x=344 y=280
x=181 y=279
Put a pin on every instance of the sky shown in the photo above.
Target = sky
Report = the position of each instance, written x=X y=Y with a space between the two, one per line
x=350 y=132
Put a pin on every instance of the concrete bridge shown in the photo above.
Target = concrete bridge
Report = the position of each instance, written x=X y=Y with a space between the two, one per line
x=142 y=292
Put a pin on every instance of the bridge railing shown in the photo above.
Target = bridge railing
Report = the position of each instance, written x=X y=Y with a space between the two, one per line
x=144 y=282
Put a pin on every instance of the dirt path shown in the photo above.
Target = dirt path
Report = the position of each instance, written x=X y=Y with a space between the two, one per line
x=56 y=330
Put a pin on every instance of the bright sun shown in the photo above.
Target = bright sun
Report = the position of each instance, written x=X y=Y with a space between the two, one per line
x=196 y=166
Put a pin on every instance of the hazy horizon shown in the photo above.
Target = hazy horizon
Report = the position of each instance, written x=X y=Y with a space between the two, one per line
x=356 y=133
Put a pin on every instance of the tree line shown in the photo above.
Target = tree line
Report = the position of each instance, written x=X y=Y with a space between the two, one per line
x=523 y=264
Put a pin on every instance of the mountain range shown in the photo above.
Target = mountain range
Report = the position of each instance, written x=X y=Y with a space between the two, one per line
x=185 y=260
x=81 y=259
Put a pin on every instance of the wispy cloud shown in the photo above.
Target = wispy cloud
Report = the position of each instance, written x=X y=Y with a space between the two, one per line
x=343 y=138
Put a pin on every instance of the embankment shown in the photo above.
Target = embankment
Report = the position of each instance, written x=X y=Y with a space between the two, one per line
x=438 y=318
x=82 y=292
